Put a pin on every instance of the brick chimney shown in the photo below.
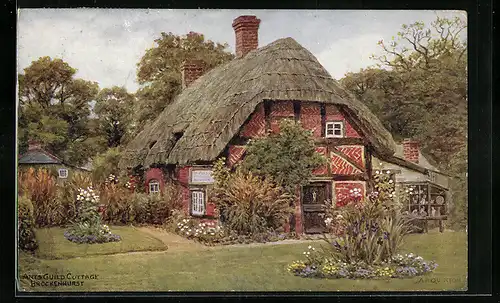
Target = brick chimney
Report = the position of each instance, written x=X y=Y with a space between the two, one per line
x=411 y=150
x=246 y=29
x=34 y=145
x=191 y=70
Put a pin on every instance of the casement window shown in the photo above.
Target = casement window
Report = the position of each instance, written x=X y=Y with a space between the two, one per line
x=63 y=173
x=197 y=202
x=334 y=129
x=154 y=187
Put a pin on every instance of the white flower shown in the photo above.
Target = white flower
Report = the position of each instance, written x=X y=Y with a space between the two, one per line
x=390 y=181
x=305 y=253
x=308 y=253
x=388 y=172
x=309 y=247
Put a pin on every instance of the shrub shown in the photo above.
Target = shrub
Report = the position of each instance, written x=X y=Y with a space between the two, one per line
x=116 y=200
x=40 y=187
x=288 y=157
x=26 y=225
x=87 y=227
x=249 y=204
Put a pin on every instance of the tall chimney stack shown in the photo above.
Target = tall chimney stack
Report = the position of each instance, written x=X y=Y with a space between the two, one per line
x=191 y=70
x=34 y=145
x=411 y=150
x=246 y=29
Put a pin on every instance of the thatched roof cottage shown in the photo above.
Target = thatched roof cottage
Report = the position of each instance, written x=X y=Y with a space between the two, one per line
x=220 y=110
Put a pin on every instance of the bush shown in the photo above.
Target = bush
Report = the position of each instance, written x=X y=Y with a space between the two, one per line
x=288 y=157
x=40 y=187
x=125 y=207
x=249 y=204
x=117 y=202
x=26 y=225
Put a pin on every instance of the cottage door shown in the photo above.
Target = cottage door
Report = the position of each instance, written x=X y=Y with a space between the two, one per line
x=313 y=201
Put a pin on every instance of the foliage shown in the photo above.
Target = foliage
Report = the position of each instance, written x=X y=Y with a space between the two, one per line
x=249 y=204
x=114 y=109
x=67 y=193
x=211 y=233
x=419 y=90
x=55 y=109
x=87 y=227
x=372 y=230
x=26 y=225
x=399 y=266
x=288 y=157
x=40 y=187
x=159 y=70
x=126 y=207
x=105 y=164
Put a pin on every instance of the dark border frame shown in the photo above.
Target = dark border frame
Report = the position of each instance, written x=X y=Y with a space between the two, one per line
x=480 y=34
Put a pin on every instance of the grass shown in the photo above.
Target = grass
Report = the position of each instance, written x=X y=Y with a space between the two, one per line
x=53 y=244
x=252 y=268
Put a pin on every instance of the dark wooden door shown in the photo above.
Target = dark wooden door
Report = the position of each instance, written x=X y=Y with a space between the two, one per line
x=314 y=197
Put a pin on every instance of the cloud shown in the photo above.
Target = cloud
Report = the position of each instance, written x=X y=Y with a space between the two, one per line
x=106 y=44
x=349 y=54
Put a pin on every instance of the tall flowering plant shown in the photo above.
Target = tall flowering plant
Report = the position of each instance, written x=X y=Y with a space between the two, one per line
x=87 y=227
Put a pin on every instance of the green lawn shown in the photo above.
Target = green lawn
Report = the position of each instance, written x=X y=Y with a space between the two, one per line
x=53 y=245
x=242 y=268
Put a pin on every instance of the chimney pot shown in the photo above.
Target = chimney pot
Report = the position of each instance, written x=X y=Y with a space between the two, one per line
x=191 y=70
x=34 y=144
x=411 y=150
x=246 y=29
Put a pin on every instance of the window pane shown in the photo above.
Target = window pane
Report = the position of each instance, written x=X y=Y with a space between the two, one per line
x=338 y=132
x=337 y=126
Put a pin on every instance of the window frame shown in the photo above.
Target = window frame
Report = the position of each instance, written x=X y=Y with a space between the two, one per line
x=333 y=123
x=62 y=170
x=154 y=182
x=198 y=211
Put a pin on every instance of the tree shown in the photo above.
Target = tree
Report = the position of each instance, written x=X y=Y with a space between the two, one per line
x=419 y=90
x=114 y=108
x=288 y=157
x=159 y=71
x=54 y=108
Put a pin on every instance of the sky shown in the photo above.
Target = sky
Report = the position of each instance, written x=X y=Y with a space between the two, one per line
x=105 y=45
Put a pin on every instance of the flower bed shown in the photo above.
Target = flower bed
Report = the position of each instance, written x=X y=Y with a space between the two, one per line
x=399 y=266
x=103 y=236
x=210 y=233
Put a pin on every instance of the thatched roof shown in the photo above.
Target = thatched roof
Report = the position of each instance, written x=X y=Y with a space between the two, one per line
x=212 y=109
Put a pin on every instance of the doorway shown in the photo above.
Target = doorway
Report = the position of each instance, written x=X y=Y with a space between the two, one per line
x=313 y=199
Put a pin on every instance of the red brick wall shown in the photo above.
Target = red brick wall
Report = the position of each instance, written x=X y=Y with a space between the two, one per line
x=333 y=114
x=310 y=117
x=236 y=153
x=256 y=126
x=280 y=110
x=157 y=174
x=356 y=153
x=344 y=191
x=342 y=167
x=183 y=178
